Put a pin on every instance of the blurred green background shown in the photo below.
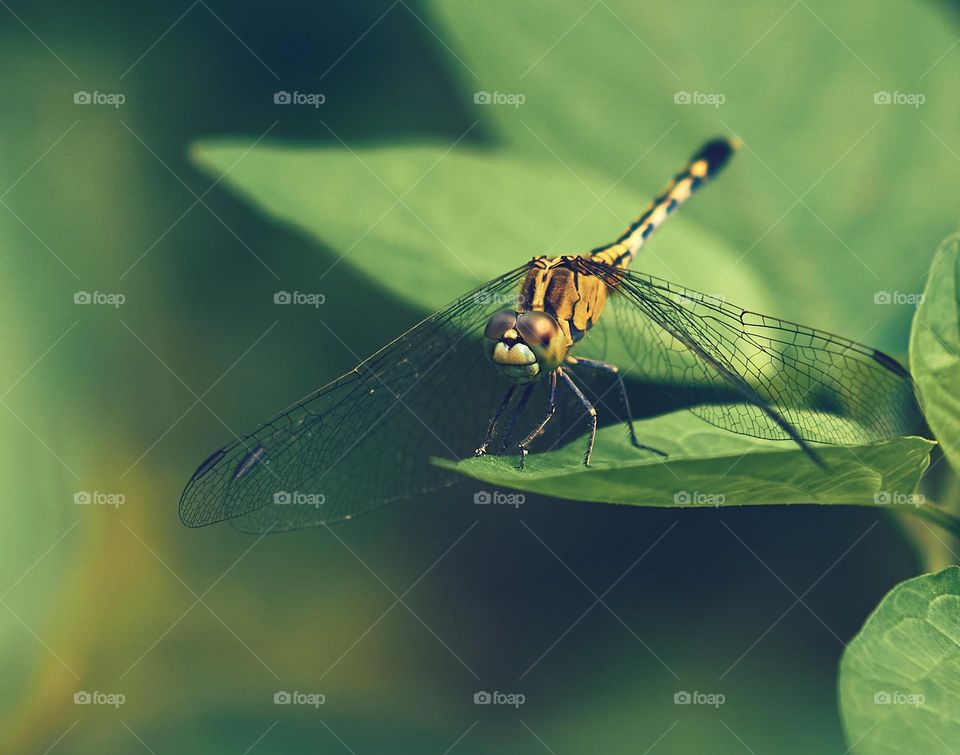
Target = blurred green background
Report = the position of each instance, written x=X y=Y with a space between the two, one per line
x=199 y=629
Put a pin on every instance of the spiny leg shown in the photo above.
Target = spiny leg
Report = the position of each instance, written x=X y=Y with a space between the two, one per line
x=492 y=427
x=561 y=373
x=551 y=410
x=518 y=410
x=596 y=364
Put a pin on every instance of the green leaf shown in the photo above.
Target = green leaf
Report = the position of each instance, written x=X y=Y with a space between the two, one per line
x=935 y=349
x=900 y=676
x=429 y=224
x=710 y=466
x=875 y=182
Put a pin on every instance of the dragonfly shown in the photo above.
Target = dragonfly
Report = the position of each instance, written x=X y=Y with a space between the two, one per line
x=523 y=360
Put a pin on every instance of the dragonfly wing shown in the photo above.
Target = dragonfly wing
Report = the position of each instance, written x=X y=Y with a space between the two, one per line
x=368 y=437
x=758 y=375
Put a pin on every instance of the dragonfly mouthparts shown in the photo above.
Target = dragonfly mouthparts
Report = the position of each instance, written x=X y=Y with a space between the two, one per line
x=513 y=354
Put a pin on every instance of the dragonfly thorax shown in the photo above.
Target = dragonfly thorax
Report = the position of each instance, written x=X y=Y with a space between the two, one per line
x=524 y=345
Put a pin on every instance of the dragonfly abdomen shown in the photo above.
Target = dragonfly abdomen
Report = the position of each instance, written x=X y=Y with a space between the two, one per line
x=704 y=165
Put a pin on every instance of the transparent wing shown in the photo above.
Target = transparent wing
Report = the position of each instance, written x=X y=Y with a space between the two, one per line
x=753 y=374
x=366 y=438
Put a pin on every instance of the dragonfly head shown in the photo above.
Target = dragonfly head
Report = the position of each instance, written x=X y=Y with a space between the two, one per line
x=524 y=345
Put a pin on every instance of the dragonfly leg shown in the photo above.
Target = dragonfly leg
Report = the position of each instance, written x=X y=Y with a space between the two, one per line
x=492 y=427
x=551 y=410
x=561 y=373
x=518 y=410
x=612 y=369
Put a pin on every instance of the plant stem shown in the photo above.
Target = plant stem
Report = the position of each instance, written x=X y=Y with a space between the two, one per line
x=936 y=514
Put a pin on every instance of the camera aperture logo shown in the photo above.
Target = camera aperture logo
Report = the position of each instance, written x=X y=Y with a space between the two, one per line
x=99 y=297
x=299 y=498
x=898 y=697
x=698 y=498
x=313 y=99
x=99 y=498
x=82 y=697
x=516 y=699
x=114 y=99
x=499 y=498
x=716 y=699
x=300 y=298
x=711 y=99
x=516 y=99
x=912 y=99
x=313 y=699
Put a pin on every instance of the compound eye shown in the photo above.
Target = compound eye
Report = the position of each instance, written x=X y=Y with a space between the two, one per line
x=543 y=335
x=499 y=323
x=538 y=329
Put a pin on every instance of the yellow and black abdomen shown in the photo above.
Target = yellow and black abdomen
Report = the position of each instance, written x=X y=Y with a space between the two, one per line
x=703 y=166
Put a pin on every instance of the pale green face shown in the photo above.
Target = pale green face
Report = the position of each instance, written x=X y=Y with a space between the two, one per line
x=524 y=345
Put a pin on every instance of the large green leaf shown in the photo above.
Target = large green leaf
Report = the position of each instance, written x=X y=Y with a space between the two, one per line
x=900 y=676
x=709 y=466
x=471 y=215
x=935 y=349
x=799 y=83
x=428 y=224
